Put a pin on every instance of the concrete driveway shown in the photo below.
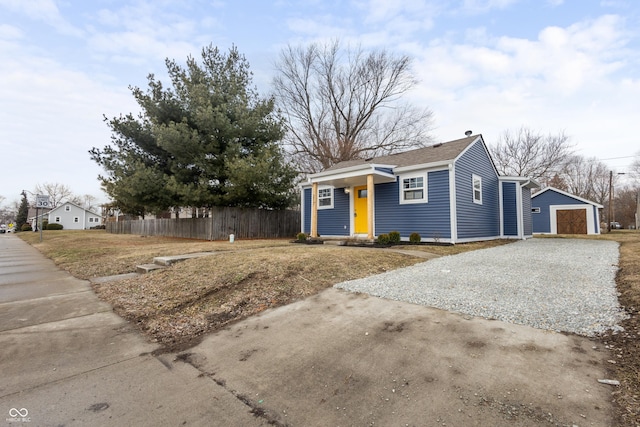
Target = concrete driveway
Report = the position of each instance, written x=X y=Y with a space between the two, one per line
x=333 y=359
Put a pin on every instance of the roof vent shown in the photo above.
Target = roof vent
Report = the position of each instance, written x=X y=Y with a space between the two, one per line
x=437 y=145
x=368 y=159
x=468 y=133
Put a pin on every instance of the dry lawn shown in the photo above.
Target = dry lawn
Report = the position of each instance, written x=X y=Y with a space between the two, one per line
x=177 y=305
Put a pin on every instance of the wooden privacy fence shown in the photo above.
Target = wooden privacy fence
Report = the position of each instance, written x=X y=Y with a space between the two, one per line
x=242 y=223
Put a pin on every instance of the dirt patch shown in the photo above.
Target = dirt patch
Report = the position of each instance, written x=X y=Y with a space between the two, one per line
x=184 y=301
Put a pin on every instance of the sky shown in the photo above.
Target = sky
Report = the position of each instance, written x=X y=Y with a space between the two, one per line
x=488 y=66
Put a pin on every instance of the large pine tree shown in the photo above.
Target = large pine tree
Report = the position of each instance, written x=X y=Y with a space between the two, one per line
x=208 y=140
x=23 y=212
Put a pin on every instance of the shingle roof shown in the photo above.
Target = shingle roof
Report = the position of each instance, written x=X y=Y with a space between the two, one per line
x=435 y=153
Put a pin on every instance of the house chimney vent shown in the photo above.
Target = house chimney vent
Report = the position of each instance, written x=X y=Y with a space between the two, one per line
x=468 y=133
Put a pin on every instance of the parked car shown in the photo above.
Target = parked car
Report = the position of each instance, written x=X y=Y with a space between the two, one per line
x=615 y=225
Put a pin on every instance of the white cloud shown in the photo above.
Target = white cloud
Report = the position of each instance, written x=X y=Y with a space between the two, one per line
x=9 y=32
x=45 y=11
x=483 y=6
x=566 y=79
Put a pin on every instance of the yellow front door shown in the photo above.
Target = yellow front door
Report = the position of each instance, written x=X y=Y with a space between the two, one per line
x=360 y=222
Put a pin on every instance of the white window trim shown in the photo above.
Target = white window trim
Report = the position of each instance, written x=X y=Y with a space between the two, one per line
x=475 y=178
x=76 y=220
x=67 y=208
x=535 y=210
x=57 y=219
x=325 y=187
x=425 y=196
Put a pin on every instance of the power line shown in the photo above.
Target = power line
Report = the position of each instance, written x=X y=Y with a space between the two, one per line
x=624 y=157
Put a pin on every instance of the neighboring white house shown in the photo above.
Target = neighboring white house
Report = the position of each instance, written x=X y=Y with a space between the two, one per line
x=73 y=217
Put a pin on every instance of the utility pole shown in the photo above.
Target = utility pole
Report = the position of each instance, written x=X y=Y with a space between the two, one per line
x=610 y=201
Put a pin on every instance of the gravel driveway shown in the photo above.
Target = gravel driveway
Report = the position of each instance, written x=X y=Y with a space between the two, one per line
x=557 y=284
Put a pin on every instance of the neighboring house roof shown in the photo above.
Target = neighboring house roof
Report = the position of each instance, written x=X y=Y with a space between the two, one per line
x=72 y=204
x=432 y=154
x=564 y=193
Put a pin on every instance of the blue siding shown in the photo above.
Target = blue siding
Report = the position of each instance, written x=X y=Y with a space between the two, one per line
x=542 y=220
x=510 y=208
x=307 y=210
x=474 y=220
x=526 y=212
x=331 y=222
x=430 y=219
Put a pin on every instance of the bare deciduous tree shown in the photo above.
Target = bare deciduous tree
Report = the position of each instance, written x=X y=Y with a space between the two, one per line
x=587 y=178
x=86 y=201
x=529 y=153
x=346 y=104
x=57 y=192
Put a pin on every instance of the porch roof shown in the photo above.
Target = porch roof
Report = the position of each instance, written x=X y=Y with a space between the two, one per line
x=354 y=175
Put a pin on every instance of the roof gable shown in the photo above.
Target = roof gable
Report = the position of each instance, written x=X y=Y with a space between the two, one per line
x=72 y=204
x=564 y=193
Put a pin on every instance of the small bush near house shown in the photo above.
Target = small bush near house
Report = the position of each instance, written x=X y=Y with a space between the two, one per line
x=26 y=227
x=44 y=224
x=383 y=239
x=415 y=238
x=54 y=226
x=302 y=236
x=394 y=237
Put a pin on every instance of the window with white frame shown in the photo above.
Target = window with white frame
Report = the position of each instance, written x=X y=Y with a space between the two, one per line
x=67 y=208
x=535 y=210
x=477 y=189
x=57 y=219
x=76 y=219
x=413 y=189
x=325 y=197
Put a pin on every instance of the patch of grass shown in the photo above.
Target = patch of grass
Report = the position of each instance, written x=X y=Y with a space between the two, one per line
x=95 y=253
x=180 y=303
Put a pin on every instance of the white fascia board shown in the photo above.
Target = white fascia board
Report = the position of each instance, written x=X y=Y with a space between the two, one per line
x=444 y=164
x=346 y=174
x=573 y=196
x=522 y=180
x=350 y=169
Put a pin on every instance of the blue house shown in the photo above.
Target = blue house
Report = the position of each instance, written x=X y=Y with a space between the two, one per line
x=558 y=212
x=449 y=192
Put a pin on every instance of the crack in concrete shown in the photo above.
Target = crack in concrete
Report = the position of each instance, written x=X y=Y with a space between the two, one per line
x=255 y=408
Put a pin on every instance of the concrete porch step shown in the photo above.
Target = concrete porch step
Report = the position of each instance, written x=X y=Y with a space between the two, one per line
x=169 y=260
x=146 y=268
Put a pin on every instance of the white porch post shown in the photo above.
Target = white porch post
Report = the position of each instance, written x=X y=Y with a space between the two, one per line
x=314 y=209
x=370 y=206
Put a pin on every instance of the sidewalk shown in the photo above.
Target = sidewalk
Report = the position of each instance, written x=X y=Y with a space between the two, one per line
x=66 y=359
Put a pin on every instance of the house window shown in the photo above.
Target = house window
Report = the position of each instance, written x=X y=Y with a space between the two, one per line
x=535 y=210
x=325 y=198
x=413 y=189
x=57 y=219
x=67 y=208
x=76 y=219
x=91 y=219
x=477 y=189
